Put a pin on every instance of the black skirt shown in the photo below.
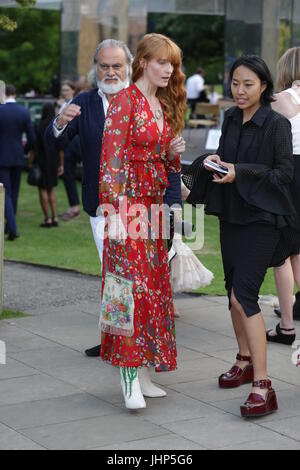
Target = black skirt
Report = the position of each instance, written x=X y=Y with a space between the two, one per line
x=247 y=251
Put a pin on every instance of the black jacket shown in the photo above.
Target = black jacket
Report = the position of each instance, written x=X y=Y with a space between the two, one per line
x=264 y=171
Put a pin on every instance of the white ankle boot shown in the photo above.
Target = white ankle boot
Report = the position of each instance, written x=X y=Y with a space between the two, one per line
x=148 y=388
x=133 y=396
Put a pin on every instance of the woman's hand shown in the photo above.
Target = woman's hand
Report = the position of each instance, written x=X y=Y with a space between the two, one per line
x=212 y=158
x=177 y=147
x=227 y=179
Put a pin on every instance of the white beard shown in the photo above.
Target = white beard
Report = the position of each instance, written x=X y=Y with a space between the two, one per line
x=111 y=89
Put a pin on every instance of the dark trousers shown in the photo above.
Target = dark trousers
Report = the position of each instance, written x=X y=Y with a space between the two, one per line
x=10 y=177
x=69 y=179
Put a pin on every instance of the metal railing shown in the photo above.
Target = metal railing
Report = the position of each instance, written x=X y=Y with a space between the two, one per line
x=2 y=195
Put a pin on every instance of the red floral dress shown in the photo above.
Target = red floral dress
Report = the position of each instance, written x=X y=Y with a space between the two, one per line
x=134 y=164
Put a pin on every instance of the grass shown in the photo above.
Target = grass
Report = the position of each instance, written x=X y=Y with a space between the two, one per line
x=8 y=314
x=71 y=246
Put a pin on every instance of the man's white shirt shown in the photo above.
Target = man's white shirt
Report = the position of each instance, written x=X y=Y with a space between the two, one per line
x=194 y=86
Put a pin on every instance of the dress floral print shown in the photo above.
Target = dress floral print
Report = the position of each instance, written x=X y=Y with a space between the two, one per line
x=134 y=164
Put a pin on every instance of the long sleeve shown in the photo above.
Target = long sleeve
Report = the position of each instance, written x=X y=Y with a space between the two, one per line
x=173 y=194
x=66 y=135
x=268 y=188
x=174 y=166
x=114 y=165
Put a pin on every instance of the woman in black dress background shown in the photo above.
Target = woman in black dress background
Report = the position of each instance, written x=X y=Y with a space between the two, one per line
x=51 y=163
x=253 y=202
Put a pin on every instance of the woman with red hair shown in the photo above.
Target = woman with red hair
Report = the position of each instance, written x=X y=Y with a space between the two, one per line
x=142 y=144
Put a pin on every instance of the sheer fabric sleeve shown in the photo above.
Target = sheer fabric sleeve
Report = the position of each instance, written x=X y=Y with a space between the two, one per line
x=114 y=165
x=269 y=188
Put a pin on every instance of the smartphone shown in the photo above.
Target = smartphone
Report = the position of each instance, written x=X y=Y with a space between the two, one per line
x=217 y=168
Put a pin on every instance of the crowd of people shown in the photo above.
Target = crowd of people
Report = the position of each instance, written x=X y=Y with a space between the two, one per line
x=128 y=131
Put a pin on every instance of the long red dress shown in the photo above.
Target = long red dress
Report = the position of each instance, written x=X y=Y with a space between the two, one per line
x=134 y=164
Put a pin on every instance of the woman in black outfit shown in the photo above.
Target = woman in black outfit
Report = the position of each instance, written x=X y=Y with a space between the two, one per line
x=254 y=205
x=51 y=162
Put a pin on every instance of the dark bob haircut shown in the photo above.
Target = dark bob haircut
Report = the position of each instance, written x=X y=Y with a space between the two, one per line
x=260 y=68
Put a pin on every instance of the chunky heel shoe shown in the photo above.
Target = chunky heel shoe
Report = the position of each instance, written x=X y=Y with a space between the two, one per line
x=280 y=338
x=237 y=377
x=256 y=405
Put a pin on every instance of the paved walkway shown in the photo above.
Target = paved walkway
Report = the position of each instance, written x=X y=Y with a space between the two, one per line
x=53 y=397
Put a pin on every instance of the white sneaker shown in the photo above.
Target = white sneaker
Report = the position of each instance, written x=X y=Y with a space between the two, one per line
x=133 y=396
x=148 y=388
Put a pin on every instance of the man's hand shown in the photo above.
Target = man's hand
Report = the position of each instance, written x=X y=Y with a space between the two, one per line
x=68 y=114
x=177 y=147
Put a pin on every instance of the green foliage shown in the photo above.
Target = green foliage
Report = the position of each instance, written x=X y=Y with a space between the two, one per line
x=285 y=37
x=26 y=3
x=201 y=39
x=29 y=56
x=6 y=23
x=9 y=314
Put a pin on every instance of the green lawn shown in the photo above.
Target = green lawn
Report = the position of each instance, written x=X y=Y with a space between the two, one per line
x=8 y=314
x=71 y=246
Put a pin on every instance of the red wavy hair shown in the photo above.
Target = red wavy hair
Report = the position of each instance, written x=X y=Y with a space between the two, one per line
x=173 y=97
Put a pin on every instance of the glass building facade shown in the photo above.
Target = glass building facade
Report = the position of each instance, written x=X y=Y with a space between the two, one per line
x=263 y=27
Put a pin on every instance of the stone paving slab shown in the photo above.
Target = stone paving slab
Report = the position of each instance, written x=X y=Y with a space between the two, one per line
x=169 y=442
x=95 y=432
x=53 y=397
x=54 y=411
x=217 y=432
x=11 y=440
x=32 y=388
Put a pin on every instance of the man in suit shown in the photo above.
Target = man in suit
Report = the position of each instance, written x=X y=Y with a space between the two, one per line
x=14 y=122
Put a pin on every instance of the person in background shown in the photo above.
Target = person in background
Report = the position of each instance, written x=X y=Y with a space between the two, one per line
x=71 y=158
x=14 y=122
x=213 y=96
x=67 y=93
x=82 y=85
x=195 y=89
x=288 y=104
x=50 y=160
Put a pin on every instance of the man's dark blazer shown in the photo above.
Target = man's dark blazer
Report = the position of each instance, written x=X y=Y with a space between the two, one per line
x=14 y=121
x=89 y=126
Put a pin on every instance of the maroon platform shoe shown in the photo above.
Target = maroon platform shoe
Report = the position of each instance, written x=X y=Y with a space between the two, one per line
x=237 y=377
x=256 y=405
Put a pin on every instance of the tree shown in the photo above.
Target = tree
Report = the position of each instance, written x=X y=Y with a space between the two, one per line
x=201 y=39
x=9 y=25
x=30 y=56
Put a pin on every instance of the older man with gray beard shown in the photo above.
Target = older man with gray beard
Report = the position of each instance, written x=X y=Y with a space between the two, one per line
x=85 y=117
